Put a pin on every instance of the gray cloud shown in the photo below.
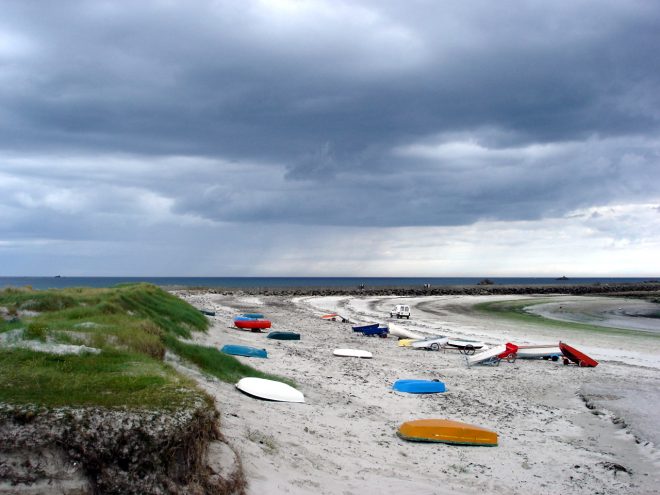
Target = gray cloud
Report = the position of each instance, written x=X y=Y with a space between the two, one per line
x=326 y=113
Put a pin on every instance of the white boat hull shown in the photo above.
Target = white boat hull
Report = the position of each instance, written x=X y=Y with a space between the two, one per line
x=538 y=352
x=352 y=353
x=269 y=390
x=402 y=333
x=486 y=355
x=430 y=343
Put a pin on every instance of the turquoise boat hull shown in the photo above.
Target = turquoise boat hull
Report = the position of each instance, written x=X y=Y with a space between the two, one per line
x=243 y=350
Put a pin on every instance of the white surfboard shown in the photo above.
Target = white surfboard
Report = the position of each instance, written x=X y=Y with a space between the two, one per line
x=269 y=390
x=352 y=353
x=485 y=355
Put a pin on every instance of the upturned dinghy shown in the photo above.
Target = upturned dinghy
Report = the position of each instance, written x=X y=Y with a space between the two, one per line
x=380 y=331
x=406 y=342
x=283 y=336
x=366 y=328
x=447 y=431
x=244 y=350
x=465 y=346
x=247 y=323
x=419 y=386
x=352 y=353
x=577 y=357
x=494 y=355
x=269 y=390
x=538 y=352
x=402 y=333
x=434 y=343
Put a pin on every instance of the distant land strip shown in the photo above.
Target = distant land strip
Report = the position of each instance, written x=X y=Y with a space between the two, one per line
x=644 y=289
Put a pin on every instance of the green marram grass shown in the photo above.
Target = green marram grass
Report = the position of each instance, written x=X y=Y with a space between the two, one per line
x=109 y=379
x=133 y=325
x=223 y=366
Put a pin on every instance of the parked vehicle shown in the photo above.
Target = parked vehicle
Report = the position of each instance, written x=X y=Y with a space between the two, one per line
x=400 y=311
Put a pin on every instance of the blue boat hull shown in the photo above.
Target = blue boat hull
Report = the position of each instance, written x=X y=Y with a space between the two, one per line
x=243 y=350
x=365 y=328
x=419 y=386
x=255 y=316
x=381 y=331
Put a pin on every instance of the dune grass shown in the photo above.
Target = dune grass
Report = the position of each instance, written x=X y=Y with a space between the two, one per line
x=223 y=366
x=109 y=379
x=133 y=325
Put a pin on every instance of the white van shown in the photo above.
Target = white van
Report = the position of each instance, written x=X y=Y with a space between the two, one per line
x=400 y=311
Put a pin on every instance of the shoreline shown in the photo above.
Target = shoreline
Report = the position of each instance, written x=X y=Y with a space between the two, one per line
x=343 y=439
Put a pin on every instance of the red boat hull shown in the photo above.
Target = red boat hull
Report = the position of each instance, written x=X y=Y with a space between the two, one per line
x=511 y=349
x=577 y=357
x=252 y=324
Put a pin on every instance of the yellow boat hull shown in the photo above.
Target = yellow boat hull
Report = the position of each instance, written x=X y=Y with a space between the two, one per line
x=406 y=342
x=446 y=431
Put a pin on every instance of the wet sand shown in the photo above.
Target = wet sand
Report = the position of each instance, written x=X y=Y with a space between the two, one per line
x=343 y=441
x=603 y=311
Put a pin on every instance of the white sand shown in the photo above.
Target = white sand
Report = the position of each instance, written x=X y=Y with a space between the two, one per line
x=343 y=441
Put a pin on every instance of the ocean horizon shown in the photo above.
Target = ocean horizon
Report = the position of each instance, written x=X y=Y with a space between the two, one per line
x=60 y=282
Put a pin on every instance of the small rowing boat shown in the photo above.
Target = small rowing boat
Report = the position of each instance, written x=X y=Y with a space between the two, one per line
x=577 y=357
x=465 y=345
x=358 y=353
x=434 y=343
x=380 y=331
x=269 y=390
x=419 y=386
x=283 y=336
x=244 y=350
x=447 y=431
x=247 y=323
x=538 y=352
x=365 y=328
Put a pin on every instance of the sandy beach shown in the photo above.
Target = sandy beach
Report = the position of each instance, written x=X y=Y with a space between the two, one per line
x=562 y=429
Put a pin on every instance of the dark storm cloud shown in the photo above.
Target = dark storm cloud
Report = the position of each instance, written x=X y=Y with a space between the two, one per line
x=343 y=113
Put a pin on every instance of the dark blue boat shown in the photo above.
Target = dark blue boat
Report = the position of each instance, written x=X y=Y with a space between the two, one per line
x=363 y=328
x=419 y=386
x=283 y=336
x=380 y=331
x=244 y=350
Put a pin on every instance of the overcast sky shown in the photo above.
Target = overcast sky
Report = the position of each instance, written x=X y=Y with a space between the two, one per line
x=330 y=138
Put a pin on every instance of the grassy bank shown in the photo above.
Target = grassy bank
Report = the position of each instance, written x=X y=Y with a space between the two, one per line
x=132 y=326
x=514 y=310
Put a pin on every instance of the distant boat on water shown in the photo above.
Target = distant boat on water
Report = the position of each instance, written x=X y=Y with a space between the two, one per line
x=563 y=277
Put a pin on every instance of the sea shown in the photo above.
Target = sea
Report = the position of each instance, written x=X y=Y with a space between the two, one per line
x=59 y=282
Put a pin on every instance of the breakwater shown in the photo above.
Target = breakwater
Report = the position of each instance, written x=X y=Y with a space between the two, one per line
x=632 y=289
